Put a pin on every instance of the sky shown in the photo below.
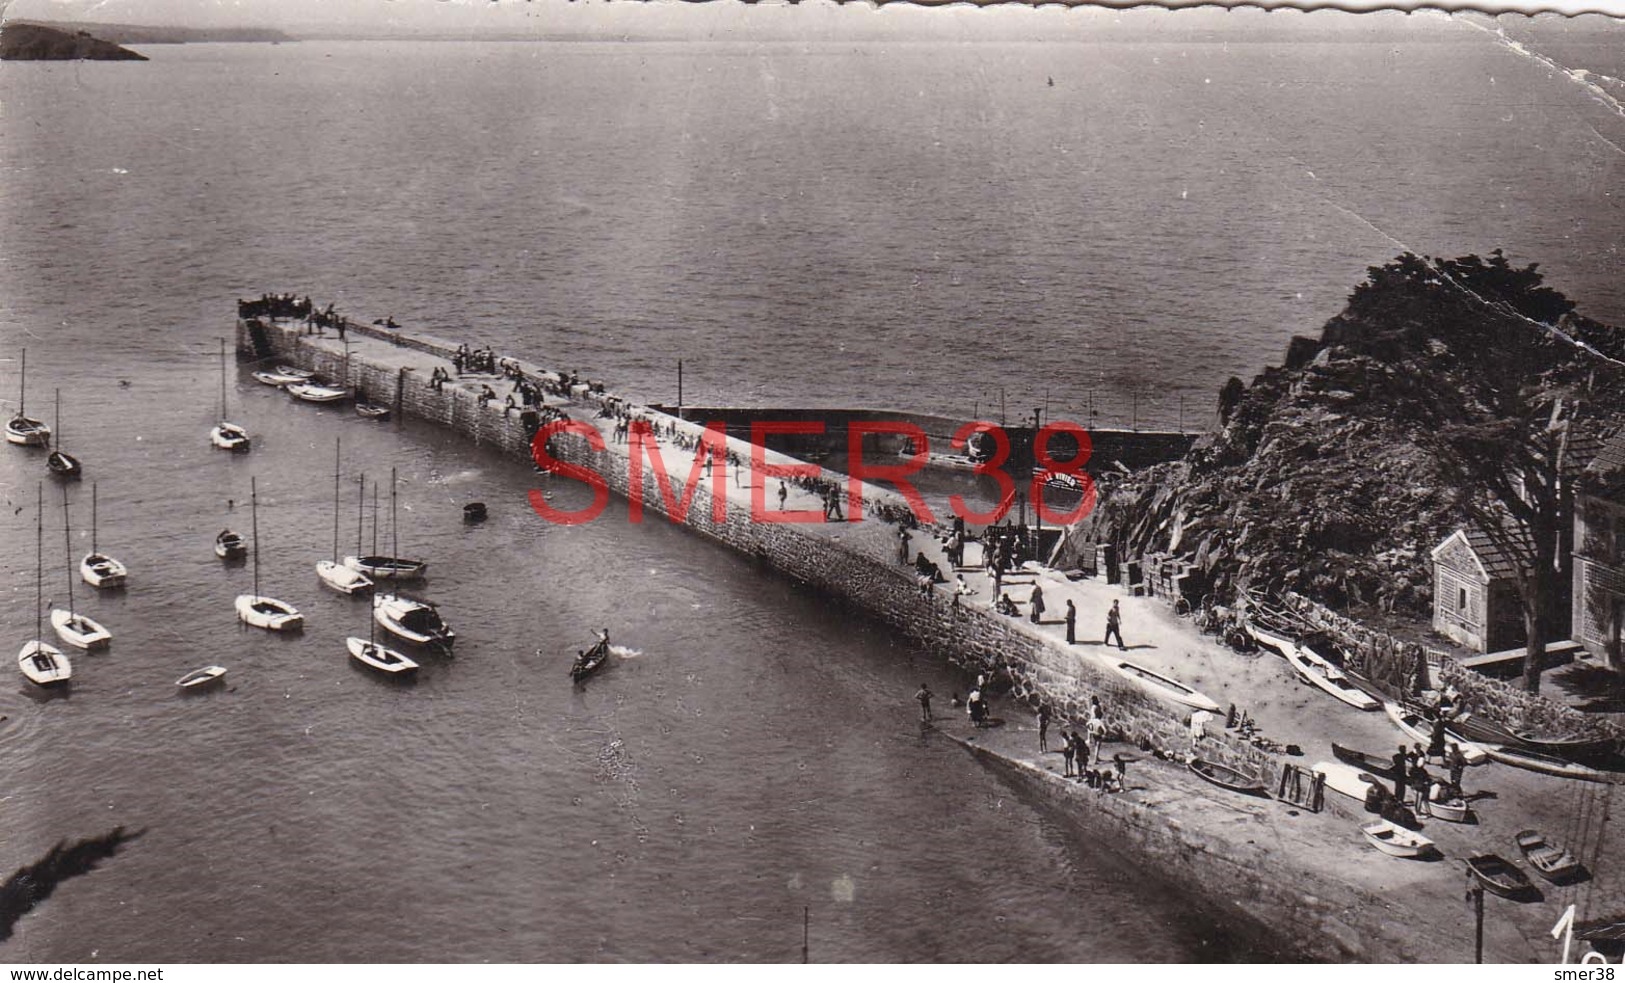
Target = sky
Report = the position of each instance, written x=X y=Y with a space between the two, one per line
x=719 y=18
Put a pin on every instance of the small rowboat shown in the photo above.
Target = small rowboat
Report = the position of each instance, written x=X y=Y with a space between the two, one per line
x=101 y=570
x=297 y=373
x=413 y=620
x=387 y=567
x=312 y=392
x=1396 y=841
x=199 y=678
x=27 y=432
x=1411 y=723
x=1363 y=761
x=1499 y=876
x=1346 y=779
x=1549 y=860
x=341 y=578
x=372 y=411
x=268 y=613
x=1548 y=765
x=230 y=546
x=43 y=664
x=474 y=512
x=375 y=656
x=1580 y=749
x=590 y=662
x=1452 y=810
x=1227 y=778
x=278 y=380
x=64 y=465
x=230 y=437
x=79 y=631
x=1314 y=668
x=1164 y=687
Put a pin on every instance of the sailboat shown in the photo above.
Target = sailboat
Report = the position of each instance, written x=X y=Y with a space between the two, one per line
x=43 y=664
x=99 y=569
x=22 y=429
x=333 y=573
x=257 y=609
x=369 y=653
x=78 y=630
x=228 y=436
x=409 y=618
x=59 y=461
x=389 y=567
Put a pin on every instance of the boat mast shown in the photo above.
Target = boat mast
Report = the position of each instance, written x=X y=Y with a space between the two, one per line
x=360 y=513
x=22 y=392
x=67 y=547
x=394 y=529
x=372 y=623
x=93 y=517
x=335 y=500
x=254 y=497
x=59 y=427
x=39 y=560
x=222 y=380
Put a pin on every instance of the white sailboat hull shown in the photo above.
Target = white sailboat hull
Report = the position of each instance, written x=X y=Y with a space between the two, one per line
x=43 y=664
x=387 y=567
x=341 y=578
x=79 y=631
x=26 y=432
x=198 y=678
x=230 y=437
x=375 y=656
x=269 y=613
x=392 y=612
x=101 y=570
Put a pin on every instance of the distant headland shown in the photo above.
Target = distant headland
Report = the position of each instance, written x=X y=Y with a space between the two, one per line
x=36 y=42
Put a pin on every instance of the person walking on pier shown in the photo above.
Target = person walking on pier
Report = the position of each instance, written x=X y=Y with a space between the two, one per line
x=1043 y=728
x=1071 y=622
x=924 y=696
x=1114 y=626
x=1035 y=602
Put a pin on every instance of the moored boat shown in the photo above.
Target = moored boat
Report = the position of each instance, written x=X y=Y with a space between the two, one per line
x=333 y=573
x=1164 y=687
x=64 y=465
x=230 y=546
x=1549 y=860
x=277 y=380
x=256 y=609
x=295 y=372
x=1396 y=841
x=22 y=429
x=101 y=570
x=199 y=678
x=1499 y=875
x=372 y=411
x=1226 y=777
x=474 y=512
x=228 y=436
x=387 y=567
x=412 y=620
x=590 y=661
x=44 y=665
x=1363 y=761
x=379 y=657
x=80 y=631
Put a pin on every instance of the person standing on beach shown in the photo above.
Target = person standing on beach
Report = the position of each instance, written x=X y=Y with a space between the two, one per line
x=924 y=696
x=784 y=493
x=1043 y=728
x=1071 y=622
x=1457 y=762
x=1400 y=769
x=1114 y=623
x=1097 y=733
x=1036 y=603
x=1066 y=753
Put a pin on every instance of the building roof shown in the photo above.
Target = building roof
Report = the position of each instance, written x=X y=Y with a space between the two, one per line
x=1495 y=562
x=1609 y=457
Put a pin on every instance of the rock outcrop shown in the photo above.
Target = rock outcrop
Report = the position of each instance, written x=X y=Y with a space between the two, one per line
x=36 y=42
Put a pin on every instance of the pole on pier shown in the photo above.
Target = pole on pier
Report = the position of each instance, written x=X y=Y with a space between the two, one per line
x=679 y=389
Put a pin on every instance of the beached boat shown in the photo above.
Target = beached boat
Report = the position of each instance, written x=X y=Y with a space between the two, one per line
x=379 y=657
x=1226 y=777
x=1164 y=687
x=313 y=392
x=1396 y=841
x=1313 y=667
x=1381 y=767
x=1346 y=779
x=1549 y=860
x=1451 y=810
x=1548 y=764
x=372 y=411
x=295 y=372
x=199 y=678
x=228 y=436
x=331 y=572
x=256 y=609
x=277 y=380
x=1499 y=875
x=97 y=568
x=1412 y=724
x=230 y=546
x=590 y=661
x=1578 y=749
x=44 y=665
x=413 y=620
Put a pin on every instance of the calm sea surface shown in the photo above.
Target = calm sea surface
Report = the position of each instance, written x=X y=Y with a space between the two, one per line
x=914 y=225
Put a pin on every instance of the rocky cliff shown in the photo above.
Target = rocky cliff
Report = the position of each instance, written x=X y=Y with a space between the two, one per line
x=36 y=42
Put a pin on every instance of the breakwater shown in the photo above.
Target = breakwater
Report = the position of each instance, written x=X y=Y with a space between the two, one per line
x=1301 y=877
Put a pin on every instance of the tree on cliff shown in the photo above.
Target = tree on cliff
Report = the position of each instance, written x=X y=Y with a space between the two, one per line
x=1494 y=377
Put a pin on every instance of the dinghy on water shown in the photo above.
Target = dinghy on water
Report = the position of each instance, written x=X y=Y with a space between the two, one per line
x=389 y=567
x=76 y=629
x=97 y=568
x=333 y=573
x=372 y=411
x=228 y=436
x=199 y=678
x=379 y=657
x=313 y=392
x=1164 y=687
x=59 y=462
x=229 y=546
x=277 y=380
x=592 y=660
x=42 y=664
x=295 y=372
x=23 y=430
x=256 y=609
